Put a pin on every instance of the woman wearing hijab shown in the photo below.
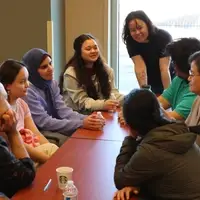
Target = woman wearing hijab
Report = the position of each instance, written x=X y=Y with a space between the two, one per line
x=45 y=102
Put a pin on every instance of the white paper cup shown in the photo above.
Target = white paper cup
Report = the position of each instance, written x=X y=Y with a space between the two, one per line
x=63 y=175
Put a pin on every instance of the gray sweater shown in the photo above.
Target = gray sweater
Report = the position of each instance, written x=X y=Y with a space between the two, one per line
x=76 y=97
x=165 y=164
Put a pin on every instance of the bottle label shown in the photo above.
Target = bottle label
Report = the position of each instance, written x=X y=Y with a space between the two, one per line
x=71 y=198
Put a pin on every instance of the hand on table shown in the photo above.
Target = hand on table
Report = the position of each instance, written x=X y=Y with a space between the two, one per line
x=125 y=193
x=121 y=118
x=93 y=122
x=111 y=105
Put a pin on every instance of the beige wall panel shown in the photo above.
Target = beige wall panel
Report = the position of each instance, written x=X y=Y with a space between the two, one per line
x=86 y=16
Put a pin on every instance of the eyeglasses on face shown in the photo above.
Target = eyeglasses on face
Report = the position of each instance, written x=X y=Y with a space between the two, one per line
x=191 y=74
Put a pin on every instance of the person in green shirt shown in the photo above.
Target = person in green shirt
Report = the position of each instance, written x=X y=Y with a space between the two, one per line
x=177 y=99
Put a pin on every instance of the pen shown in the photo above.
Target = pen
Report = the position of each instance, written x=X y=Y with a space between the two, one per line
x=47 y=185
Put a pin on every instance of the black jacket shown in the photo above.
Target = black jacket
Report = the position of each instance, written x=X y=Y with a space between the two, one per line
x=14 y=174
x=165 y=164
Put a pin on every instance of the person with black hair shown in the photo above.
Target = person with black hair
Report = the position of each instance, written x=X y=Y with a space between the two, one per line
x=14 y=77
x=146 y=47
x=165 y=162
x=87 y=83
x=178 y=96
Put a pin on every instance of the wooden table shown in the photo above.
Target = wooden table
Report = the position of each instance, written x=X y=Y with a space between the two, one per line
x=93 y=162
x=112 y=131
x=92 y=155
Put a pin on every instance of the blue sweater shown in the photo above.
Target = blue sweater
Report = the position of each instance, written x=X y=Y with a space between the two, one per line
x=69 y=120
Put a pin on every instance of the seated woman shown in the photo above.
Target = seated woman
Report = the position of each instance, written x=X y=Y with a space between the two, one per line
x=17 y=169
x=156 y=163
x=87 y=83
x=47 y=107
x=14 y=77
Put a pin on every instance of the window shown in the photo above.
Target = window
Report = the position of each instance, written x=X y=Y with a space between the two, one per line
x=179 y=21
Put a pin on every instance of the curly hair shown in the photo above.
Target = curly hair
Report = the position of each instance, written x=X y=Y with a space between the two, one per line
x=84 y=79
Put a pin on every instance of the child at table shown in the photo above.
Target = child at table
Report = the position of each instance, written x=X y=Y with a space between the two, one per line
x=14 y=77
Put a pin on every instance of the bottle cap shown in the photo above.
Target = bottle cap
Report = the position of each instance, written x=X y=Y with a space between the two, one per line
x=112 y=96
x=70 y=182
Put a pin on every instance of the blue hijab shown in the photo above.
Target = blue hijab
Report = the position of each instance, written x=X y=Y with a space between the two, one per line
x=32 y=60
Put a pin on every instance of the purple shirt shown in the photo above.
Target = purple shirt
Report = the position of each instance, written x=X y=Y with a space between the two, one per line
x=69 y=120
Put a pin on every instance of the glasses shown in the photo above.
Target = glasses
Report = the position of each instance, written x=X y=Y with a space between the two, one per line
x=192 y=75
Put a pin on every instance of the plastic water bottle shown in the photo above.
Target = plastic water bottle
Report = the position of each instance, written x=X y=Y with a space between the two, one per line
x=100 y=114
x=70 y=191
x=113 y=97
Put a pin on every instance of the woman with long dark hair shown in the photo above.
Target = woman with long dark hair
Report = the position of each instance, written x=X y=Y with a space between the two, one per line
x=87 y=83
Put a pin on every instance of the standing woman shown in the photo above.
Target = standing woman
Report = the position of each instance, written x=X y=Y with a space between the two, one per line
x=45 y=102
x=87 y=82
x=146 y=47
